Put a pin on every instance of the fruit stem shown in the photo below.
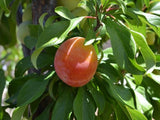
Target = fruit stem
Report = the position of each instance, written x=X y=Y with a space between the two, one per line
x=90 y=17
x=102 y=55
x=111 y=8
x=98 y=21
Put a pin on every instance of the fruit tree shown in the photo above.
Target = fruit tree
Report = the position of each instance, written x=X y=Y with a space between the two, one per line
x=79 y=59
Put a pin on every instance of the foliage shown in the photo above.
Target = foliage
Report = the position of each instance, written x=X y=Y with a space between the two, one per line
x=126 y=85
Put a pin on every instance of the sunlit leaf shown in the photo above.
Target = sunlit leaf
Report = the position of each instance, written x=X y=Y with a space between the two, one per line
x=134 y=114
x=147 y=53
x=18 y=113
x=143 y=105
x=51 y=34
x=152 y=20
x=156 y=78
x=64 y=12
x=124 y=47
x=54 y=35
x=73 y=24
x=35 y=56
x=151 y=86
x=41 y=20
x=154 y=8
x=138 y=79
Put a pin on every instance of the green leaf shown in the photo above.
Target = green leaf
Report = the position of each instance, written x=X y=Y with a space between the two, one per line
x=22 y=66
x=7 y=32
x=50 y=21
x=45 y=59
x=40 y=60
x=4 y=115
x=73 y=24
x=30 y=42
x=63 y=105
x=130 y=81
x=3 y=5
x=147 y=53
x=110 y=71
x=124 y=47
x=146 y=2
x=83 y=106
x=91 y=37
x=1 y=113
x=14 y=87
x=98 y=98
x=123 y=97
x=104 y=3
x=28 y=93
x=143 y=105
x=119 y=112
x=14 y=9
x=152 y=20
x=34 y=32
x=41 y=20
x=157 y=57
x=138 y=79
x=119 y=34
x=156 y=105
x=50 y=35
x=154 y=77
x=45 y=114
x=2 y=83
x=34 y=56
x=64 y=12
x=154 y=8
x=16 y=84
x=106 y=55
x=151 y=86
x=134 y=114
x=100 y=80
x=121 y=94
x=18 y=113
x=122 y=4
x=108 y=111
x=135 y=23
x=140 y=4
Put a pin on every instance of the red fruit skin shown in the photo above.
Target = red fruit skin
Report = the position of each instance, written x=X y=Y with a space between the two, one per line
x=75 y=64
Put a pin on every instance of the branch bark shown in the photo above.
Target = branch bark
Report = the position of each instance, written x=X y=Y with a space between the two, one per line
x=42 y=6
x=38 y=8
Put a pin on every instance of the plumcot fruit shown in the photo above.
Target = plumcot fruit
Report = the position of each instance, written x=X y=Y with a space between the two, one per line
x=150 y=37
x=69 y=4
x=75 y=63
